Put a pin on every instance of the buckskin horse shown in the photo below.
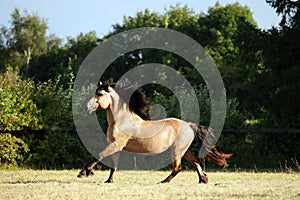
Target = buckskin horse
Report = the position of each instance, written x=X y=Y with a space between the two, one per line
x=130 y=129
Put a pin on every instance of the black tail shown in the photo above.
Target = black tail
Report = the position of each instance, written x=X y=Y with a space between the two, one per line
x=213 y=153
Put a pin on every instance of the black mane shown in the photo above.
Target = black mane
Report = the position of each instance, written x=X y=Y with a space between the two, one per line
x=137 y=102
x=139 y=105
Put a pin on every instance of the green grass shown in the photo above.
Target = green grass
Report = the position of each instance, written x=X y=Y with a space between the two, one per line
x=37 y=184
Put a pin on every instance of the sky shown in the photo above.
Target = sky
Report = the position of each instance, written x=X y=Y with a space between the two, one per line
x=72 y=17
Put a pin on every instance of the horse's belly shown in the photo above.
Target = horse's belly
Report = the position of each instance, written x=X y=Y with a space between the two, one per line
x=153 y=145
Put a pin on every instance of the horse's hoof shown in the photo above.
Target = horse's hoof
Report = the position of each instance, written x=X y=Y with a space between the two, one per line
x=80 y=176
x=164 y=182
x=109 y=181
x=91 y=173
x=203 y=179
x=85 y=173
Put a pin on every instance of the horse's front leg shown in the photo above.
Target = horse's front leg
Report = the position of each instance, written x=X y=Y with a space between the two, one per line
x=108 y=151
x=115 y=159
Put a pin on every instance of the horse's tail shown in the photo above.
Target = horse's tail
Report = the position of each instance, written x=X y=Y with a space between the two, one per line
x=213 y=152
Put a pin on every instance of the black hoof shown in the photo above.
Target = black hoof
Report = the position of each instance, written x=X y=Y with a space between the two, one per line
x=81 y=176
x=109 y=181
x=165 y=181
x=85 y=173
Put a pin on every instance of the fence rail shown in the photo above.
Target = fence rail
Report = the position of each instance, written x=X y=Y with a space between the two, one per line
x=226 y=130
x=261 y=130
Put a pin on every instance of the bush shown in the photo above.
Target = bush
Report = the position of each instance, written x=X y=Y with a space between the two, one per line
x=59 y=150
x=59 y=145
x=26 y=107
x=12 y=149
x=234 y=117
x=55 y=103
x=17 y=109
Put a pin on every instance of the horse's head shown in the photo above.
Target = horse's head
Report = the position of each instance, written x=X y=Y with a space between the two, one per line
x=101 y=100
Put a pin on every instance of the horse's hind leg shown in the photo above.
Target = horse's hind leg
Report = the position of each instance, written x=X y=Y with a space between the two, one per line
x=115 y=159
x=176 y=168
x=180 y=145
x=195 y=162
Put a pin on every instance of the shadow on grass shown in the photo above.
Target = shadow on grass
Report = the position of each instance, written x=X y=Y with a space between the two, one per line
x=36 y=182
x=20 y=182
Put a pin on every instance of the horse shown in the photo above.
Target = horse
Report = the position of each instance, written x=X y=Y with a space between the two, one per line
x=130 y=129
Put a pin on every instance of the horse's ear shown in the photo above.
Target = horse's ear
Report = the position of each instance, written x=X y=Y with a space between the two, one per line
x=112 y=85
x=108 y=85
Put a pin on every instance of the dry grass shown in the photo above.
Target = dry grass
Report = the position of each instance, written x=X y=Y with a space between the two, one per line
x=31 y=184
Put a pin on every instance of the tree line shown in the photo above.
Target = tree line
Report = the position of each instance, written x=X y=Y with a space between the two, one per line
x=260 y=70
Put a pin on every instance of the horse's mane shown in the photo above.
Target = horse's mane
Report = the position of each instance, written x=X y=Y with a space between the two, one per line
x=137 y=101
x=139 y=105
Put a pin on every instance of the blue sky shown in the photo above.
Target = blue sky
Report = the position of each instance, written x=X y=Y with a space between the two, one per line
x=71 y=17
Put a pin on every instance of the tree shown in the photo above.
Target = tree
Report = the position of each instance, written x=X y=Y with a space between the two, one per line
x=63 y=59
x=46 y=66
x=228 y=33
x=25 y=40
x=279 y=80
x=289 y=9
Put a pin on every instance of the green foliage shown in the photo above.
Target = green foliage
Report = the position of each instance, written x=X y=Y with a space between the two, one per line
x=12 y=149
x=250 y=150
x=17 y=109
x=25 y=40
x=280 y=78
x=220 y=28
x=46 y=106
x=58 y=150
x=234 y=117
x=229 y=34
x=55 y=102
x=289 y=10
x=59 y=145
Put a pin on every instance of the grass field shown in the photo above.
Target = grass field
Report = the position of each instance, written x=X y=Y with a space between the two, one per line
x=36 y=184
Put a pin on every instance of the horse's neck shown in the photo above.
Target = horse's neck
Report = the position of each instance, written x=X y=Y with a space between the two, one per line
x=109 y=116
